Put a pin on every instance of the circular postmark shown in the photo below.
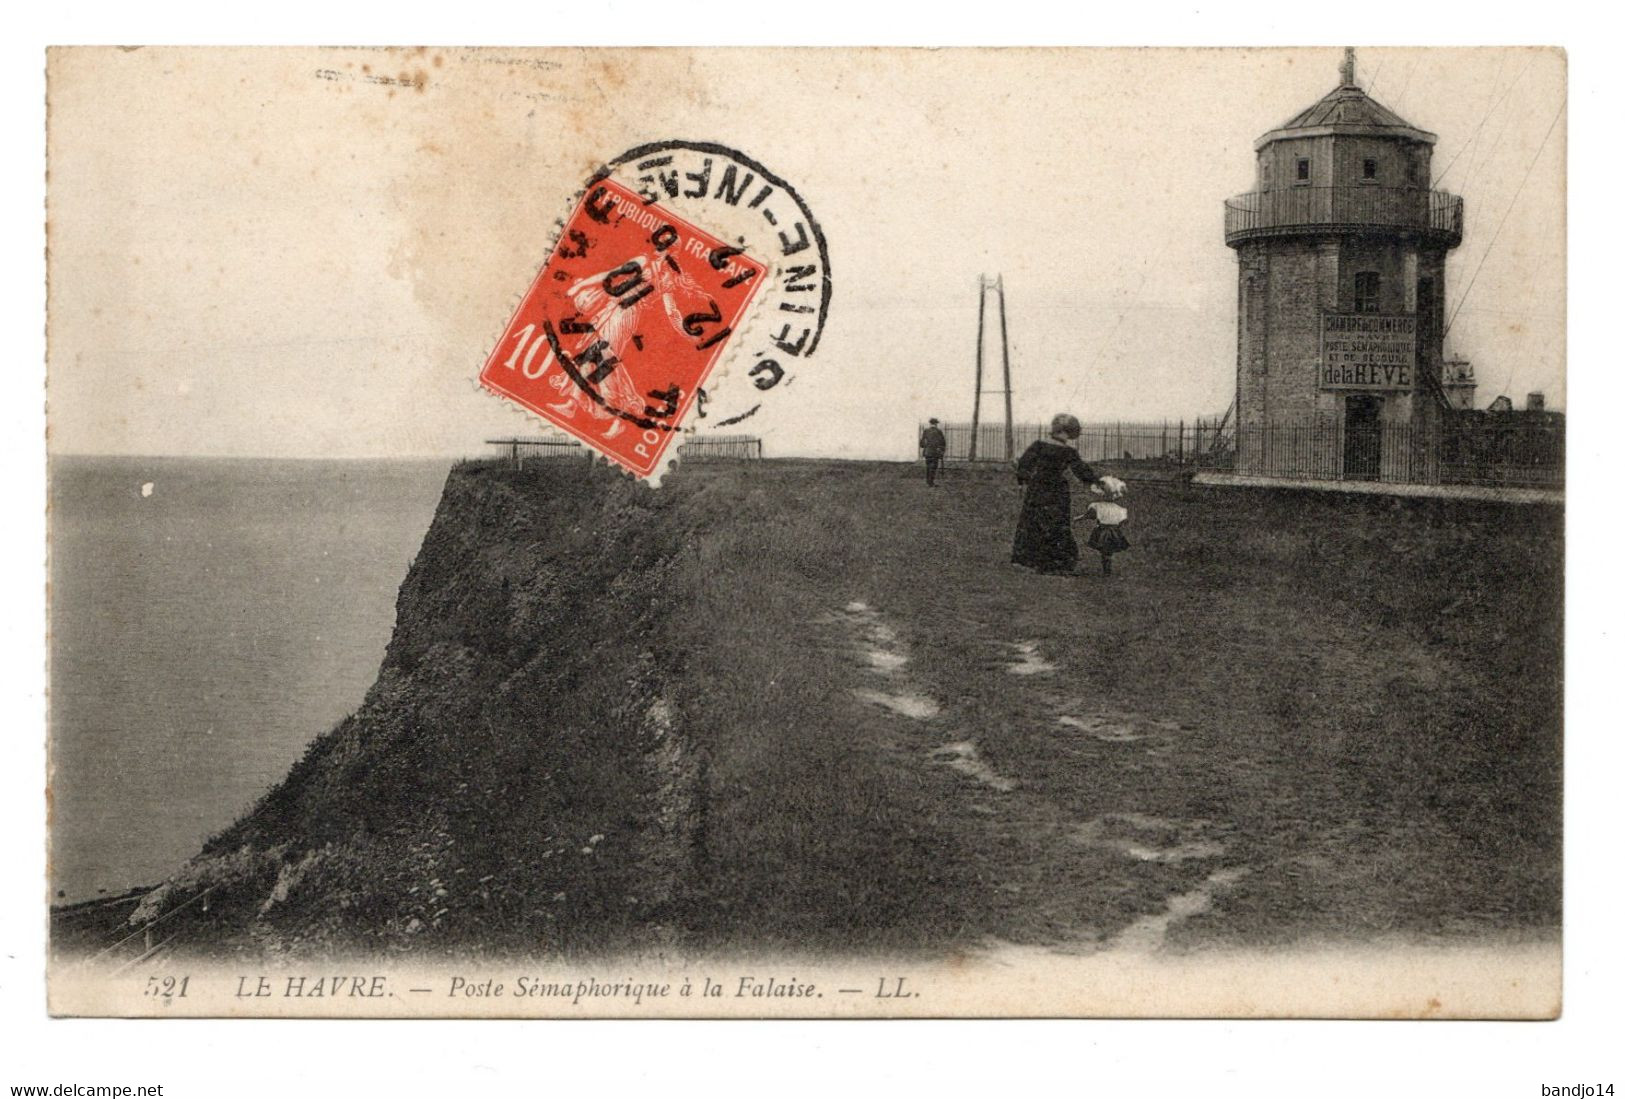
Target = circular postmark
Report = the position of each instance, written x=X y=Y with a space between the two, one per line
x=739 y=199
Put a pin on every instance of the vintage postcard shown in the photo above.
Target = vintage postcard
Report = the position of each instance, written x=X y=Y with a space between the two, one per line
x=806 y=533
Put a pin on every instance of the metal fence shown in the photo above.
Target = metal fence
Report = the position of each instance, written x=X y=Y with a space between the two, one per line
x=518 y=450
x=1514 y=451
x=1465 y=452
x=719 y=446
x=1179 y=442
x=1434 y=213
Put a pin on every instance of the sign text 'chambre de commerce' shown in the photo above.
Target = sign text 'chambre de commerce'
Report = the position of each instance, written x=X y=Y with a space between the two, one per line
x=1367 y=351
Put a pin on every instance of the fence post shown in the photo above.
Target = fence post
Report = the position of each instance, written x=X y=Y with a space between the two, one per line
x=1182 y=440
x=976 y=406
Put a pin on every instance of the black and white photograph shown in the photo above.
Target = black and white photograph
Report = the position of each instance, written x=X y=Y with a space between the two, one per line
x=813 y=534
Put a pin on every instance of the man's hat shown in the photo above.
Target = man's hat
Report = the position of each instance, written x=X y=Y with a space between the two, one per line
x=932 y=420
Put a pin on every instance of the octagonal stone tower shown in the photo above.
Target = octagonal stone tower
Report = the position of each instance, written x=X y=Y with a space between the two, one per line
x=1340 y=309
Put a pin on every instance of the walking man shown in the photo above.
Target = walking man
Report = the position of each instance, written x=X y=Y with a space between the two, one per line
x=933 y=445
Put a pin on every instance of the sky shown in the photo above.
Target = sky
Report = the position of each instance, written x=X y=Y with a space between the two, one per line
x=291 y=252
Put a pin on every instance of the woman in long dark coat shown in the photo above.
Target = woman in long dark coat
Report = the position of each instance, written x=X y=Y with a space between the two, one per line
x=1044 y=535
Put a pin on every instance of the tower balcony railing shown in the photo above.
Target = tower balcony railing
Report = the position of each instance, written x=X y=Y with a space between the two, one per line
x=1288 y=211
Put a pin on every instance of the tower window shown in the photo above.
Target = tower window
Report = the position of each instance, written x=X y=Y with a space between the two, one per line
x=1367 y=292
x=1369 y=170
x=1303 y=169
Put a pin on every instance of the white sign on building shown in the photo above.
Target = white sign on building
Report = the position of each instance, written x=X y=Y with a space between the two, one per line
x=1367 y=351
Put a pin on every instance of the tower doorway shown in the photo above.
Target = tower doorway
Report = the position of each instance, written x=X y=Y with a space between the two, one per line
x=1362 y=437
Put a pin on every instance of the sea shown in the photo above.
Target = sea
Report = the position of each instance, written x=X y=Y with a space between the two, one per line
x=208 y=619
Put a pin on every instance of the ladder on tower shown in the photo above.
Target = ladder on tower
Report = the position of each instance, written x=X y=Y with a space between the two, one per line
x=986 y=285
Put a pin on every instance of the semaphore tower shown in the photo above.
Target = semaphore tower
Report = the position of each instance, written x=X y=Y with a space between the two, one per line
x=1341 y=250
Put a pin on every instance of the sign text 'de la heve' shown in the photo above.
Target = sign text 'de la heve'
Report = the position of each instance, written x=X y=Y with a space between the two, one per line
x=1367 y=351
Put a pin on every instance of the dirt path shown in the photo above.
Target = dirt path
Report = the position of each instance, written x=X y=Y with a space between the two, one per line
x=1063 y=868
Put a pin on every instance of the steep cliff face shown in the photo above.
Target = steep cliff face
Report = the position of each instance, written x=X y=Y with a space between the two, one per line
x=514 y=775
x=606 y=720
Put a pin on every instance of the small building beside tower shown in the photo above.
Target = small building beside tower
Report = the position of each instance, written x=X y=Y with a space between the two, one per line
x=1341 y=252
x=1460 y=387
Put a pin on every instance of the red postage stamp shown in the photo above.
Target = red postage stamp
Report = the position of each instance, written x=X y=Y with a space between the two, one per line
x=622 y=326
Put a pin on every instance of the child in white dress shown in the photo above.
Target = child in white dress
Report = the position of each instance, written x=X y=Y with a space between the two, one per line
x=1109 y=516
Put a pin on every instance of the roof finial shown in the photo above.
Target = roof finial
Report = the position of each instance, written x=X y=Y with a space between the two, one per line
x=1348 y=67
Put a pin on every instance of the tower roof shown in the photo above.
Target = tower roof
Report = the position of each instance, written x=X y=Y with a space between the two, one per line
x=1347 y=105
x=1346 y=109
